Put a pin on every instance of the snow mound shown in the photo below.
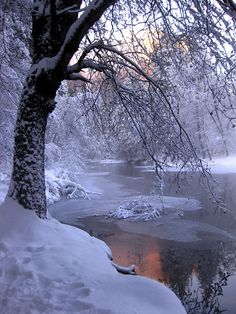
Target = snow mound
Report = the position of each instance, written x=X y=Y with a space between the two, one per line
x=152 y=207
x=223 y=164
x=47 y=267
x=4 y=183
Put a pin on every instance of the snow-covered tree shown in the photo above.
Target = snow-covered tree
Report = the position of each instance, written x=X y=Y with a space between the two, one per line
x=14 y=63
x=93 y=31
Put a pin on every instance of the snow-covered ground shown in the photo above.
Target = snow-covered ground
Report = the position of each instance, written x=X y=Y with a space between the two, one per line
x=223 y=165
x=111 y=161
x=217 y=165
x=47 y=267
x=4 y=183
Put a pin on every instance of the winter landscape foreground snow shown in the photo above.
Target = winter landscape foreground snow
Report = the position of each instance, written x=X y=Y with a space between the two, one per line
x=47 y=267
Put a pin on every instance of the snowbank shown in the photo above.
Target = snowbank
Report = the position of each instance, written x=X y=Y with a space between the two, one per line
x=111 y=161
x=223 y=165
x=47 y=267
x=217 y=165
x=151 y=207
x=4 y=183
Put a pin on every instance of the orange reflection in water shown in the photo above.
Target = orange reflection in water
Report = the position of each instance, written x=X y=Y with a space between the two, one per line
x=142 y=251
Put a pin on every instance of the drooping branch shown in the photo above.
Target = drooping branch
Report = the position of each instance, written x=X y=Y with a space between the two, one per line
x=83 y=63
x=86 y=51
x=76 y=77
x=153 y=82
x=135 y=67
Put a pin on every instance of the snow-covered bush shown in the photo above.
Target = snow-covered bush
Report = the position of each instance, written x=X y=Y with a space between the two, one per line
x=59 y=187
x=152 y=207
x=141 y=208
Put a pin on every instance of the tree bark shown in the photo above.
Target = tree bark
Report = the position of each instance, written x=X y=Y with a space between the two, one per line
x=28 y=179
x=56 y=36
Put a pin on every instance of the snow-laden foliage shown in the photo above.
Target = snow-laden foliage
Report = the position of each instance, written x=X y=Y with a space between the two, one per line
x=71 y=138
x=93 y=123
x=137 y=209
x=151 y=207
x=59 y=186
x=4 y=183
x=202 y=102
x=137 y=113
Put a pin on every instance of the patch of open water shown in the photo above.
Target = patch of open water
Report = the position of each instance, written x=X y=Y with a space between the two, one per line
x=194 y=255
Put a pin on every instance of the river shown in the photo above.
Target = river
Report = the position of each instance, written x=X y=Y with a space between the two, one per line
x=193 y=253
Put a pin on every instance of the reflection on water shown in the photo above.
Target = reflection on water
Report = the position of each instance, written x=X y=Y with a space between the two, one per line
x=196 y=271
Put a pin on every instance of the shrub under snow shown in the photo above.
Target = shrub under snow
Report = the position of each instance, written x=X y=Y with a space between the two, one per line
x=152 y=207
x=59 y=186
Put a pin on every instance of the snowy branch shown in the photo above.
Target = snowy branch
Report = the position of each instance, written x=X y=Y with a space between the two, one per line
x=80 y=28
x=71 y=9
x=100 y=67
x=125 y=270
x=77 y=76
x=88 y=49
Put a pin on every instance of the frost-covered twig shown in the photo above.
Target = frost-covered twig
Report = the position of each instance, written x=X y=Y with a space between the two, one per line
x=130 y=270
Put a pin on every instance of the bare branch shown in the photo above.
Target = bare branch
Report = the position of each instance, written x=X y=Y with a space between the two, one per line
x=77 y=76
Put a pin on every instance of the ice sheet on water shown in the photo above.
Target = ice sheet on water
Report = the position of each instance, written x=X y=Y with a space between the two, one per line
x=112 y=161
x=152 y=207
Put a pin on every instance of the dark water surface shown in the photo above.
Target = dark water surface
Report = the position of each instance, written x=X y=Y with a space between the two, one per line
x=195 y=255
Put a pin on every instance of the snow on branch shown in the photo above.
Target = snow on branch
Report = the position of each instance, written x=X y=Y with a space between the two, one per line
x=130 y=270
x=74 y=69
x=59 y=187
x=72 y=9
x=80 y=28
x=88 y=49
x=89 y=63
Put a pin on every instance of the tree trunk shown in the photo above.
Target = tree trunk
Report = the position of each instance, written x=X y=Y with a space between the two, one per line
x=28 y=179
x=52 y=51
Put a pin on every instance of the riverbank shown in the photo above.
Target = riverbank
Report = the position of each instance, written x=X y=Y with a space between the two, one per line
x=48 y=267
x=185 y=267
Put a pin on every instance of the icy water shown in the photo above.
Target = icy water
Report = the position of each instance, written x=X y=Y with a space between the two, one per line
x=193 y=254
